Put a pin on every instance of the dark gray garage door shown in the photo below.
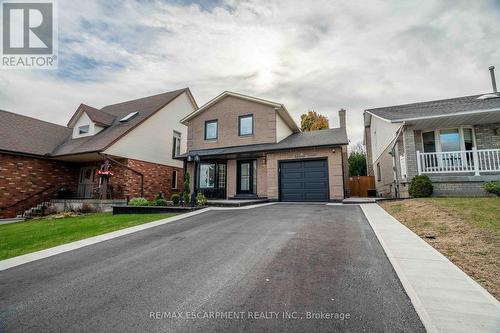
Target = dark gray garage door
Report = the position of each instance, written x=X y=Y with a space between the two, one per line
x=304 y=181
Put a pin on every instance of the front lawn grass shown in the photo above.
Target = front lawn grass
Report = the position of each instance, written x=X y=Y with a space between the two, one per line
x=34 y=235
x=466 y=230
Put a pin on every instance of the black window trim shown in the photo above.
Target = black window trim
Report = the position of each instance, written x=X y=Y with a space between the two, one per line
x=216 y=132
x=239 y=124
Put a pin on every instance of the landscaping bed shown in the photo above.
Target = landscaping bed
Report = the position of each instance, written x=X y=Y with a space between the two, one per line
x=118 y=210
x=42 y=233
x=465 y=230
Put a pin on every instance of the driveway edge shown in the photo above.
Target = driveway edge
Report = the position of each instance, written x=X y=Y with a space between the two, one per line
x=33 y=256
x=444 y=297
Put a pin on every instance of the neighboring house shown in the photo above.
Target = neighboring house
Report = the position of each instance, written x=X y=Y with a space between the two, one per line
x=456 y=142
x=246 y=147
x=135 y=141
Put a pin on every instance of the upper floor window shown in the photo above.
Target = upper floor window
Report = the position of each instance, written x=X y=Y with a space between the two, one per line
x=176 y=147
x=245 y=125
x=83 y=129
x=211 y=129
x=379 y=174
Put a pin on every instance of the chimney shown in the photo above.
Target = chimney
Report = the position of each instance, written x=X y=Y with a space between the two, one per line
x=342 y=118
x=493 y=81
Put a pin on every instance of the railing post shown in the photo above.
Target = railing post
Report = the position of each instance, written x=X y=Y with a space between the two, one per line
x=475 y=158
x=419 y=163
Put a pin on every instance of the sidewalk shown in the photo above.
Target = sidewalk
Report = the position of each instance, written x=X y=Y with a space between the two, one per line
x=445 y=298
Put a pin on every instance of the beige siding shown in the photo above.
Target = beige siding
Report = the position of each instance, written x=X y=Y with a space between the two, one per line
x=227 y=111
x=282 y=129
x=382 y=133
x=152 y=140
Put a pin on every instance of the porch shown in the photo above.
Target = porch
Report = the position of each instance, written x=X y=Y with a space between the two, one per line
x=474 y=161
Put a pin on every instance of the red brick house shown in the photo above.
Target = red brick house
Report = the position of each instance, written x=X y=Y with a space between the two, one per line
x=134 y=142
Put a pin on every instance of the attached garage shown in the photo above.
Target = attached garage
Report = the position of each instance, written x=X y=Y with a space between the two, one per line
x=305 y=180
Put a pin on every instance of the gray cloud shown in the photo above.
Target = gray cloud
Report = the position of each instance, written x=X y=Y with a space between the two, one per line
x=320 y=55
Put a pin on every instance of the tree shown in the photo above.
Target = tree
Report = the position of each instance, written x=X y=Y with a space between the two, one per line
x=313 y=121
x=357 y=161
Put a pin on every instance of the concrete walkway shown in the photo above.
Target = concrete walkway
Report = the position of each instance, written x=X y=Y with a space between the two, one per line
x=446 y=299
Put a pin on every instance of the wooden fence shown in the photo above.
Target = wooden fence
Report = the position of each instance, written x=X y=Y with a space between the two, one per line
x=360 y=185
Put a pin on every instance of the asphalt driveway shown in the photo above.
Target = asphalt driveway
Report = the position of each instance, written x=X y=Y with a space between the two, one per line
x=278 y=268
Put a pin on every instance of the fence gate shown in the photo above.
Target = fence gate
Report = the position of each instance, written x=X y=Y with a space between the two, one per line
x=360 y=185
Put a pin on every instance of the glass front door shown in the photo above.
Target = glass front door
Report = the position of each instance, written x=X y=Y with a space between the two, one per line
x=246 y=175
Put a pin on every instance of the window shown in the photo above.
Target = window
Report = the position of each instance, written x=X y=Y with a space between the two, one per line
x=379 y=176
x=468 y=139
x=176 y=146
x=83 y=129
x=429 y=142
x=207 y=175
x=211 y=129
x=245 y=125
x=450 y=140
x=174 y=180
x=129 y=116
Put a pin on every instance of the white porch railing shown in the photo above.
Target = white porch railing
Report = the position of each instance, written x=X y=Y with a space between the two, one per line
x=476 y=161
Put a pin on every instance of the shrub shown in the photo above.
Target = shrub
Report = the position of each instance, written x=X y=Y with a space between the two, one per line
x=161 y=202
x=492 y=187
x=175 y=199
x=201 y=200
x=64 y=192
x=138 y=202
x=86 y=209
x=159 y=196
x=187 y=192
x=421 y=186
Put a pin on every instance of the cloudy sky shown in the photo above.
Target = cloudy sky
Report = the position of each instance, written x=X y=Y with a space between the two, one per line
x=321 y=55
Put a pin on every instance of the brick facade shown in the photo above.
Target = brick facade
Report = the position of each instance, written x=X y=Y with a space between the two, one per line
x=157 y=178
x=26 y=181
x=226 y=112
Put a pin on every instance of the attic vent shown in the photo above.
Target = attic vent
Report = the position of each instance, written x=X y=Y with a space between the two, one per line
x=129 y=116
x=489 y=96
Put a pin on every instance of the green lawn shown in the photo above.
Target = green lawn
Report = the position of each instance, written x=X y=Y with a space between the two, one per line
x=34 y=235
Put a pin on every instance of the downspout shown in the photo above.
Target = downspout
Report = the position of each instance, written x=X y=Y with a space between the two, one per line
x=128 y=168
x=394 y=162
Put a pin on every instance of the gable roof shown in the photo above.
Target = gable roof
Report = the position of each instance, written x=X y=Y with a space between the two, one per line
x=97 y=116
x=326 y=137
x=146 y=106
x=280 y=108
x=438 y=108
x=22 y=134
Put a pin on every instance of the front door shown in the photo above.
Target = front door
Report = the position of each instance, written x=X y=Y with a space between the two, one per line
x=245 y=176
x=87 y=182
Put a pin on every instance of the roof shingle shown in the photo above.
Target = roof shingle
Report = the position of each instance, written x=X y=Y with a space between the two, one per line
x=441 y=107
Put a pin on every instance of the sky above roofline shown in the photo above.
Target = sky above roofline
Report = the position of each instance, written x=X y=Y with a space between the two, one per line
x=321 y=55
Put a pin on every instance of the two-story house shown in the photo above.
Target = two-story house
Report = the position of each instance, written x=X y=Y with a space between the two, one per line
x=118 y=151
x=246 y=147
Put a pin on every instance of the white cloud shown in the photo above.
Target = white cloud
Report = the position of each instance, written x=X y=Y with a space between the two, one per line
x=320 y=55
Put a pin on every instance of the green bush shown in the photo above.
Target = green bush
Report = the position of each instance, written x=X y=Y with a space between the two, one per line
x=201 y=200
x=175 y=198
x=161 y=202
x=138 y=202
x=159 y=196
x=186 y=195
x=421 y=186
x=492 y=187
